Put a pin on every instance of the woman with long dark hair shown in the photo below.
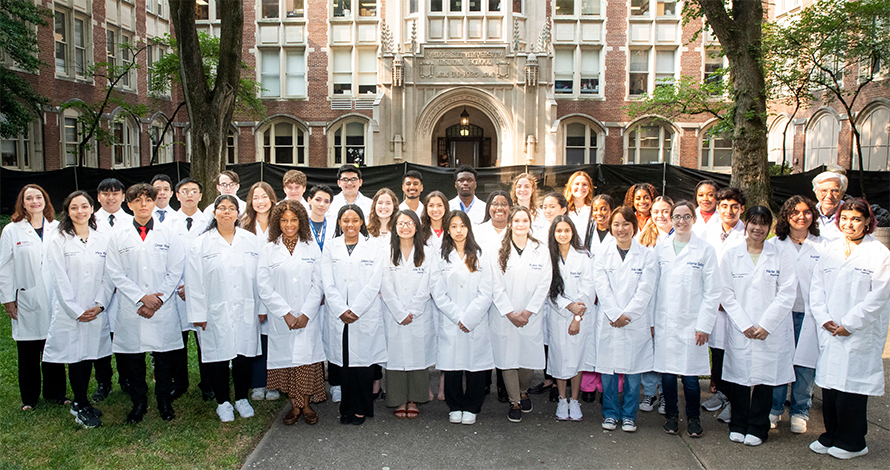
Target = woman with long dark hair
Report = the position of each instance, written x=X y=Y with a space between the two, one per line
x=461 y=289
x=570 y=297
x=79 y=332
x=521 y=279
x=25 y=290
x=296 y=357
x=490 y=233
x=432 y=226
x=354 y=337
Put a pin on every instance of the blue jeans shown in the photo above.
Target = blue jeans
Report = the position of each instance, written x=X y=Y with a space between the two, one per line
x=631 y=403
x=691 y=390
x=650 y=383
x=801 y=388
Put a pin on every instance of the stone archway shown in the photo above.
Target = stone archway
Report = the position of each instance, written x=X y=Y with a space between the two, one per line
x=469 y=97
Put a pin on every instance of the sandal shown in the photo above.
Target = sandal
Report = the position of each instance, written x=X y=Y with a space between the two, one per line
x=27 y=407
x=310 y=416
x=401 y=413
x=292 y=417
x=412 y=414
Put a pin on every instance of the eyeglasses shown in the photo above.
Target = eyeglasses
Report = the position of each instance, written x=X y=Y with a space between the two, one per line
x=405 y=224
x=349 y=180
x=227 y=185
x=189 y=192
x=227 y=209
x=686 y=217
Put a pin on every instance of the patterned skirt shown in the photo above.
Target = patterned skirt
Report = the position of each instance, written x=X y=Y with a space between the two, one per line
x=298 y=382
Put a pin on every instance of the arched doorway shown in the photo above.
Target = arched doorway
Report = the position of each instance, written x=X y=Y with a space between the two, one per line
x=463 y=136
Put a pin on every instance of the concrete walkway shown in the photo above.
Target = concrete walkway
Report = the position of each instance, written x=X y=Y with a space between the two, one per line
x=540 y=441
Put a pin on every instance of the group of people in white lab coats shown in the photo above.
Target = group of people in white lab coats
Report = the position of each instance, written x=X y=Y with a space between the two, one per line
x=503 y=284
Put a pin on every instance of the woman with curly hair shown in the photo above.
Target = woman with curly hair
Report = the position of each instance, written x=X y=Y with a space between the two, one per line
x=640 y=198
x=289 y=283
x=524 y=192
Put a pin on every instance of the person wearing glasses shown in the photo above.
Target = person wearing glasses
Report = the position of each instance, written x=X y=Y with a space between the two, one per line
x=829 y=187
x=349 y=179
x=227 y=182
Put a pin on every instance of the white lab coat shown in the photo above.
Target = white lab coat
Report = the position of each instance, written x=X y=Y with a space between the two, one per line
x=156 y=214
x=580 y=217
x=404 y=207
x=700 y=226
x=523 y=286
x=476 y=211
x=736 y=236
x=758 y=295
x=853 y=293
x=26 y=278
x=595 y=242
x=221 y=289
x=567 y=352
x=291 y=283
x=406 y=290
x=352 y=282
x=464 y=297
x=624 y=288
x=488 y=238
x=79 y=283
x=806 y=354
x=685 y=302
x=362 y=201
x=540 y=226
x=138 y=268
x=179 y=225
x=122 y=220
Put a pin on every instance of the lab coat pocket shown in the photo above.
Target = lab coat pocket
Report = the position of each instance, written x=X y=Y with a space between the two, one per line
x=28 y=300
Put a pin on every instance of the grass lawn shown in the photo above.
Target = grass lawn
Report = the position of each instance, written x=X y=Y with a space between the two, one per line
x=48 y=437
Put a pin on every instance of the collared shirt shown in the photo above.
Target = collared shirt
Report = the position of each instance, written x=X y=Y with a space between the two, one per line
x=148 y=226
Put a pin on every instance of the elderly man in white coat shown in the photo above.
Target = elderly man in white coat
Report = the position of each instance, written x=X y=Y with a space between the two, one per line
x=829 y=187
x=849 y=297
x=145 y=262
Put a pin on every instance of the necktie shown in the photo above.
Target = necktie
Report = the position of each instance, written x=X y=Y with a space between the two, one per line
x=161 y=214
x=723 y=236
x=111 y=219
x=143 y=231
x=188 y=223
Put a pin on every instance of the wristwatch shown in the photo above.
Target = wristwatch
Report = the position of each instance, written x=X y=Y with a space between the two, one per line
x=578 y=318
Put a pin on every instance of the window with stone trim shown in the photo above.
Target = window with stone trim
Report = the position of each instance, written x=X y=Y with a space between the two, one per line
x=715 y=151
x=71 y=32
x=284 y=143
x=875 y=132
x=283 y=72
x=821 y=142
x=125 y=149
x=649 y=143
x=21 y=152
x=349 y=142
x=581 y=141
x=576 y=7
x=354 y=71
x=576 y=71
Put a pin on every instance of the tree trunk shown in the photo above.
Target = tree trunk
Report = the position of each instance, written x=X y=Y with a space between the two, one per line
x=741 y=38
x=210 y=111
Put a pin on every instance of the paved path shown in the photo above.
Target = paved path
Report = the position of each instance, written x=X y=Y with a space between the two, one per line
x=540 y=441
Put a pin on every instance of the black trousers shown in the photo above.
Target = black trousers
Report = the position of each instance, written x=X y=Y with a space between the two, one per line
x=750 y=409
x=844 y=415
x=258 y=369
x=181 y=367
x=103 y=370
x=717 y=371
x=31 y=367
x=469 y=399
x=133 y=367
x=219 y=378
x=79 y=377
x=334 y=374
x=357 y=385
x=546 y=358
x=499 y=377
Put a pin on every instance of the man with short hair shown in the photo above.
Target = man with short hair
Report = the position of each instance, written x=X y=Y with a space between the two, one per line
x=294 y=183
x=145 y=262
x=829 y=187
x=412 y=188
x=349 y=179
x=728 y=232
x=164 y=186
x=466 y=200
x=227 y=182
x=110 y=197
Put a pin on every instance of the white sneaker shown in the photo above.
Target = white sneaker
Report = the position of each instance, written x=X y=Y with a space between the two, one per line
x=468 y=418
x=726 y=414
x=562 y=410
x=736 y=437
x=661 y=406
x=335 y=393
x=774 y=420
x=244 y=408
x=258 y=394
x=225 y=412
x=798 y=424
x=716 y=401
x=842 y=454
x=628 y=425
x=752 y=440
x=272 y=395
x=818 y=448
x=610 y=424
x=647 y=403
x=575 y=410
x=455 y=417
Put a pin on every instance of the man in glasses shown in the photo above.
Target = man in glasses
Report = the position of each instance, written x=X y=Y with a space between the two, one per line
x=829 y=187
x=227 y=183
x=349 y=179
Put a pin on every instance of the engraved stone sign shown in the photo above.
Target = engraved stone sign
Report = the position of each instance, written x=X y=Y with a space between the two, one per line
x=465 y=65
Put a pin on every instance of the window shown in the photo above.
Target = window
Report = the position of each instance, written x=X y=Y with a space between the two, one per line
x=713 y=68
x=412 y=7
x=165 y=146
x=580 y=144
x=666 y=8
x=349 y=143
x=289 y=80
x=435 y=5
x=650 y=143
x=20 y=152
x=71 y=140
x=269 y=9
x=716 y=152
x=342 y=8
x=61 y=27
x=231 y=148
x=875 y=132
x=365 y=78
x=566 y=81
x=342 y=59
x=639 y=72
x=821 y=141
x=639 y=7
x=124 y=151
x=119 y=56
x=156 y=5
x=284 y=143
x=563 y=66
x=208 y=10
x=664 y=67
x=779 y=136
x=494 y=5
x=567 y=7
x=70 y=43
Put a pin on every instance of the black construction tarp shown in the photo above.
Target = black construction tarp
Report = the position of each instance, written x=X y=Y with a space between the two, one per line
x=677 y=182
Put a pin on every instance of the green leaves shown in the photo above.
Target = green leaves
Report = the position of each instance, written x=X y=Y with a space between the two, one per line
x=19 y=102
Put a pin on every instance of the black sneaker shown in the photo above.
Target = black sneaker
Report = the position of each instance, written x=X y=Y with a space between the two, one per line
x=515 y=413
x=671 y=425
x=525 y=403
x=87 y=417
x=102 y=392
x=502 y=395
x=588 y=397
x=694 y=428
x=554 y=395
x=540 y=388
